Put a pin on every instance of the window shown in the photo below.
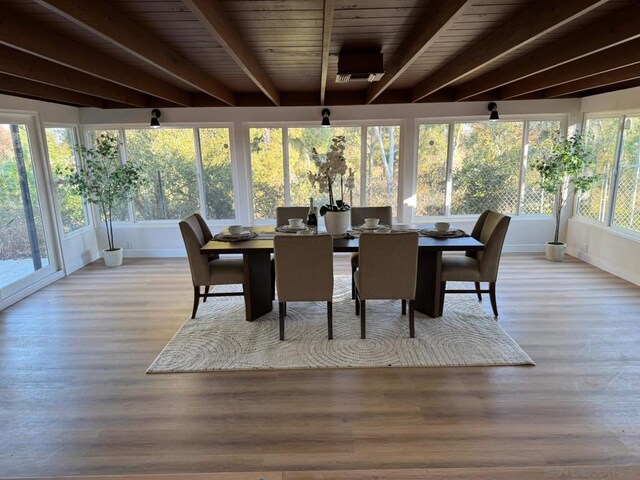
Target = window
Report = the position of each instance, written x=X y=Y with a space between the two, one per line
x=602 y=135
x=464 y=168
x=60 y=145
x=267 y=171
x=168 y=159
x=381 y=166
x=301 y=143
x=540 y=134
x=217 y=173
x=431 y=181
x=486 y=167
x=627 y=204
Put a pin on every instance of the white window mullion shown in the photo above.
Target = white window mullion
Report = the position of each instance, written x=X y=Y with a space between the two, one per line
x=363 y=165
x=524 y=160
x=616 y=171
x=124 y=159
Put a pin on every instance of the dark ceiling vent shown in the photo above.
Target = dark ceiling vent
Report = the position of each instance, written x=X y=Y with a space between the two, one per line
x=360 y=65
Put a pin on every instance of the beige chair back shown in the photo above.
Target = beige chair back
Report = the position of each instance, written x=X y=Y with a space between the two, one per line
x=358 y=214
x=304 y=267
x=196 y=234
x=388 y=265
x=491 y=230
x=283 y=214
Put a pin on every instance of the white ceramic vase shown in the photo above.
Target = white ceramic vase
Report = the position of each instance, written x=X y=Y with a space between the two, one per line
x=113 y=258
x=337 y=223
x=555 y=252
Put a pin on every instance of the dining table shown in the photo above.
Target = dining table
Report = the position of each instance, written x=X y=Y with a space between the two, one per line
x=258 y=275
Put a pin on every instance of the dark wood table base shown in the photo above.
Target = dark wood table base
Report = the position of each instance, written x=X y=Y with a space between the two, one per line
x=257 y=283
x=428 y=282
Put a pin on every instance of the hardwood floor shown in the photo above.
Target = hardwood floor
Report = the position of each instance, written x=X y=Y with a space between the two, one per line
x=75 y=399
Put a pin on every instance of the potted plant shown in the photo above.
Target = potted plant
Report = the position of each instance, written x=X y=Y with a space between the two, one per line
x=565 y=169
x=332 y=171
x=104 y=181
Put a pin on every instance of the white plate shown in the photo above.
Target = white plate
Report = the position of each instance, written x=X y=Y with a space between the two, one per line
x=365 y=227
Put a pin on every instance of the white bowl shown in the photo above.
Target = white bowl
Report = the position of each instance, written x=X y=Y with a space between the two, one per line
x=371 y=222
x=442 y=226
x=235 y=229
x=295 y=222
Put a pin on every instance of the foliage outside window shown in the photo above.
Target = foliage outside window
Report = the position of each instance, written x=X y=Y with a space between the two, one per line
x=267 y=171
x=381 y=166
x=168 y=161
x=627 y=204
x=602 y=138
x=14 y=241
x=488 y=167
x=60 y=145
x=215 y=148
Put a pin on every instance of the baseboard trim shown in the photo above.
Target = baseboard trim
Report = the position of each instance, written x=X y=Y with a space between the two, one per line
x=79 y=263
x=614 y=269
x=25 y=292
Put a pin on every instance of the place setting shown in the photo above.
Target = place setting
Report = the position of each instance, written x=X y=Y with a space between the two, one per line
x=296 y=226
x=373 y=225
x=235 y=233
x=443 y=230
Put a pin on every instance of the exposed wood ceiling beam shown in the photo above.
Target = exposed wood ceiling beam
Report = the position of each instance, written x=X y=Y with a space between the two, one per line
x=52 y=46
x=610 y=59
x=104 y=20
x=213 y=16
x=613 y=30
x=20 y=64
x=327 y=28
x=614 y=76
x=416 y=43
x=21 y=86
x=537 y=20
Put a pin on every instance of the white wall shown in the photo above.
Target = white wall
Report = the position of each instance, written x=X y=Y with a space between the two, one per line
x=608 y=248
x=163 y=239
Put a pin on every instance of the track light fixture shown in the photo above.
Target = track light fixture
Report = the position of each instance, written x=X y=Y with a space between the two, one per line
x=325 y=117
x=493 y=108
x=155 y=115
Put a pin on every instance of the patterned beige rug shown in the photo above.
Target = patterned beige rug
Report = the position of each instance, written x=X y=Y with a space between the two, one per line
x=219 y=338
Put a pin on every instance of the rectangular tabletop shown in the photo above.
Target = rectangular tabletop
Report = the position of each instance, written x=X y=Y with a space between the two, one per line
x=258 y=274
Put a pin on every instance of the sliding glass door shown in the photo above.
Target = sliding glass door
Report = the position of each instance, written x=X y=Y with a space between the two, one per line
x=25 y=251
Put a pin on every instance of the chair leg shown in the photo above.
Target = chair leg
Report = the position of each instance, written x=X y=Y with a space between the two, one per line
x=478 y=291
x=284 y=308
x=196 y=300
x=404 y=307
x=357 y=303
x=206 y=292
x=330 y=319
x=281 y=307
x=273 y=280
x=363 y=319
x=412 y=326
x=353 y=284
x=443 y=287
x=492 y=294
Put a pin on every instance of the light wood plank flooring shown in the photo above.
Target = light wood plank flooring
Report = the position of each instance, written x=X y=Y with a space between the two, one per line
x=74 y=398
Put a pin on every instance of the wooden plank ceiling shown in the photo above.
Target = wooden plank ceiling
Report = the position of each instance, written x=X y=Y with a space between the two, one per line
x=157 y=53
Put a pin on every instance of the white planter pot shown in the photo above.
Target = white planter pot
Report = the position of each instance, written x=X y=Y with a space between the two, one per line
x=555 y=252
x=113 y=258
x=337 y=223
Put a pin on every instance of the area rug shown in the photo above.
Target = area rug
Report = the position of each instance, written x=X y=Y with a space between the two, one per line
x=220 y=338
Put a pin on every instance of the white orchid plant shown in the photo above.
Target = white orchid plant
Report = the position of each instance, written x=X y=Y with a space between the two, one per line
x=331 y=169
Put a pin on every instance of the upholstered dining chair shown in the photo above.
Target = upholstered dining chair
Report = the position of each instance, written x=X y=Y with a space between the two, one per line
x=478 y=266
x=283 y=214
x=358 y=214
x=207 y=270
x=304 y=272
x=387 y=271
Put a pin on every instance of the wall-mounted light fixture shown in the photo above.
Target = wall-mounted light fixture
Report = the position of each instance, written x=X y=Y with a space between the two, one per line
x=493 y=108
x=155 y=115
x=325 y=117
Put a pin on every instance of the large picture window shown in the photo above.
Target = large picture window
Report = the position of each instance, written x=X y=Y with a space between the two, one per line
x=627 y=205
x=217 y=173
